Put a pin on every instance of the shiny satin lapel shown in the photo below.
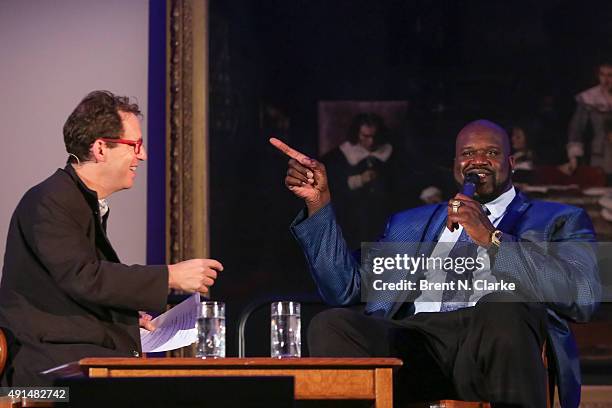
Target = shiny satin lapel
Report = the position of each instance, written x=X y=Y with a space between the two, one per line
x=516 y=209
x=434 y=227
x=429 y=237
x=432 y=230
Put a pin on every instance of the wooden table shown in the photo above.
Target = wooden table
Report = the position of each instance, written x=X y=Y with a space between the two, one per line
x=315 y=378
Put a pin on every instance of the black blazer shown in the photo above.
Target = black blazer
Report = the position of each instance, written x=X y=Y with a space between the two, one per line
x=64 y=295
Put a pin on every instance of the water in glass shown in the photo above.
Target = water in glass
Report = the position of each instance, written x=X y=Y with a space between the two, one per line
x=285 y=335
x=211 y=337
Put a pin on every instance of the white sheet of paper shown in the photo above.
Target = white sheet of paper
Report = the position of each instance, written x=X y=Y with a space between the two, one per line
x=174 y=329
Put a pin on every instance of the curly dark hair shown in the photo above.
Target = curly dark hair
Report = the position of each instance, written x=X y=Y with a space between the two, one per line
x=369 y=119
x=97 y=115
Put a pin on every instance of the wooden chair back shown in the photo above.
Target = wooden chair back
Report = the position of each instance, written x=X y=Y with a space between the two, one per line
x=3 y=351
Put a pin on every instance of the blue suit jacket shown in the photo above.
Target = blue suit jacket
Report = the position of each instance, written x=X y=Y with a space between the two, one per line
x=569 y=276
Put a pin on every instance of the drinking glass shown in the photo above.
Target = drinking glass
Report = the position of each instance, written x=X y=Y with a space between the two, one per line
x=211 y=330
x=285 y=330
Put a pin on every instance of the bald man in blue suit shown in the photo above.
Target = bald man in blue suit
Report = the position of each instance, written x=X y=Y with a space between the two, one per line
x=487 y=346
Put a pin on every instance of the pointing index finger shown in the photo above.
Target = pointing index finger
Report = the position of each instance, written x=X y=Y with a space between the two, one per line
x=291 y=152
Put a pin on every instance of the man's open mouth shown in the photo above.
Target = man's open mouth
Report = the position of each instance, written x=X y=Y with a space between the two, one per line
x=483 y=174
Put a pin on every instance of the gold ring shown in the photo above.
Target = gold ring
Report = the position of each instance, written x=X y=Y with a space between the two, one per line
x=455 y=204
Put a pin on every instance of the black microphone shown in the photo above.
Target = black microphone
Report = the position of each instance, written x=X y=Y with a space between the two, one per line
x=470 y=182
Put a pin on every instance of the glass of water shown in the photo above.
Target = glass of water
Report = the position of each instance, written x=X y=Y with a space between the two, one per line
x=285 y=330
x=211 y=330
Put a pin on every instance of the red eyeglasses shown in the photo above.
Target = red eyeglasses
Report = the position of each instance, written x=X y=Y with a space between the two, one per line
x=136 y=144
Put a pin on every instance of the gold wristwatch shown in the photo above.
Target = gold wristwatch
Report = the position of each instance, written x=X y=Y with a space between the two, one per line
x=496 y=238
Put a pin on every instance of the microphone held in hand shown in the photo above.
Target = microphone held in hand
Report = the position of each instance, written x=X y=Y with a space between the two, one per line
x=470 y=182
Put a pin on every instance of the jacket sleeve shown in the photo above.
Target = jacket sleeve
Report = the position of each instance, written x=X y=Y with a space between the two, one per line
x=334 y=268
x=563 y=273
x=62 y=246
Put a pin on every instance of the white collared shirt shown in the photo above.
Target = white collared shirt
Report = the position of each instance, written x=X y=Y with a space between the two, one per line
x=103 y=207
x=430 y=301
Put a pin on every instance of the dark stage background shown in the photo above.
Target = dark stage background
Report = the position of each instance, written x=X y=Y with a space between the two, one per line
x=272 y=61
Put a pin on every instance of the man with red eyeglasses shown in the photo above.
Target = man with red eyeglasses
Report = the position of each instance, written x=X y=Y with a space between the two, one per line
x=64 y=294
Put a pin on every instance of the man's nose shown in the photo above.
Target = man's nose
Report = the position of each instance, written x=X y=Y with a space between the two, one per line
x=480 y=157
x=142 y=155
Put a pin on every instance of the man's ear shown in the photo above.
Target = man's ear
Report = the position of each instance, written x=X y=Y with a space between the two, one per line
x=98 y=151
x=511 y=162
